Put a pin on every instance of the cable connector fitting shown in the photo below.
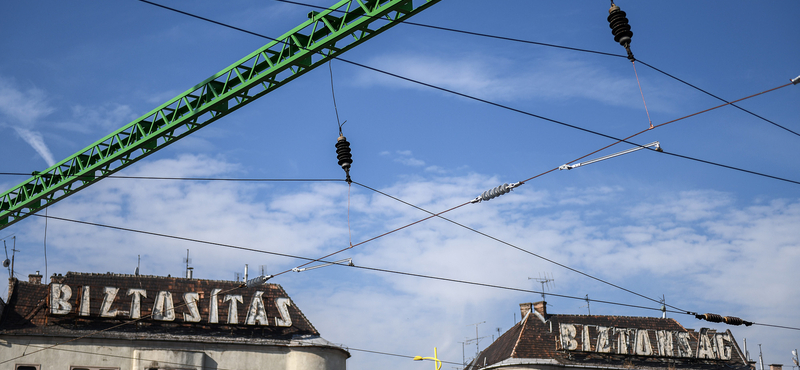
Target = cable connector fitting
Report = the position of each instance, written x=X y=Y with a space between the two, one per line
x=496 y=192
x=796 y=80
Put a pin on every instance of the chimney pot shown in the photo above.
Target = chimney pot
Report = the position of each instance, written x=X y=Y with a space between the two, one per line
x=524 y=308
x=541 y=308
x=35 y=278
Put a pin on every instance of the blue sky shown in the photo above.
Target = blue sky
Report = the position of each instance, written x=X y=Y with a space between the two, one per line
x=707 y=238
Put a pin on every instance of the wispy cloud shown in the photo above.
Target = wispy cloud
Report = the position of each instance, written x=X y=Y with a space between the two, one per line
x=502 y=79
x=24 y=106
x=699 y=248
x=35 y=140
x=107 y=117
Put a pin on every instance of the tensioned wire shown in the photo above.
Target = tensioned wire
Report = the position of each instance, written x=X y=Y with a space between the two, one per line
x=618 y=140
x=546 y=172
x=231 y=246
x=677 y=311
x=484 y=100
x=504 y=38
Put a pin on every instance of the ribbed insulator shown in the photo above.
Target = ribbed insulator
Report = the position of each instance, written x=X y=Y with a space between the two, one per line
x=496 y=192
x=343 y=153
x=712 y=317
x=619 y=26
x=732 y=320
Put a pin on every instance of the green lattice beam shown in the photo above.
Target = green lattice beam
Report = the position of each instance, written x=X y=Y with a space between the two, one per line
x=324 y=36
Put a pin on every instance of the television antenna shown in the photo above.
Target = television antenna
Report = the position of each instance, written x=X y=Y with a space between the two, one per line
x=545 y=281
x=477 y=338
x=587 y=305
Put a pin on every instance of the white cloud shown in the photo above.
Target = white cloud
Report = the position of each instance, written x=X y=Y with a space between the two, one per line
x=503 y=79
x=108 y=117
x=24 y=106
x=698 y=248
x=35 y=140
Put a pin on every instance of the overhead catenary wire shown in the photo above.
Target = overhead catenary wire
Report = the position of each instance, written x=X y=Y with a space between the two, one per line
x=678 y=310
x=145 y=1
x=583 y=50
x=312 y=260
x=504 y=106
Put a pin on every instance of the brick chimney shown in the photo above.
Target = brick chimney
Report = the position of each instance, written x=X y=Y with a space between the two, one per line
x=541 y=308
x=37 y=279
x=775 y=366
x=524 y=308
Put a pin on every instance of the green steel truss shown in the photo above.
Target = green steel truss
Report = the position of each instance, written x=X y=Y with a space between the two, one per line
x=325 y=35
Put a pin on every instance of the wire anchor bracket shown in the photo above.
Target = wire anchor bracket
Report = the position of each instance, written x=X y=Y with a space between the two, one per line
x=655 y=144
x=496 y=192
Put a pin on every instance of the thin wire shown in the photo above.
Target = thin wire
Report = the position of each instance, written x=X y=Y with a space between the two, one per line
x=45 y=245
x=349 y=228
x=479 y=99
x=572 y=49
x=333 y=94
x=516 y=247
x=356 y=266
x=679 y=311
x=640 y=92
x=717 y=97
x=190 y=178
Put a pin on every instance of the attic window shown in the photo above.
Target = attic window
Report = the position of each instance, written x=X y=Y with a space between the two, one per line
x=27 y=367
x=91 y=368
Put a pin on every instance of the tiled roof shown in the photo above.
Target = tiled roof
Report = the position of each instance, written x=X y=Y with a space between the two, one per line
x=30 y=310
x=537 y=340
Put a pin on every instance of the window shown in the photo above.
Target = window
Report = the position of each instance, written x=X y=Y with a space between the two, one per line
x=26 y=367
x=91 y=368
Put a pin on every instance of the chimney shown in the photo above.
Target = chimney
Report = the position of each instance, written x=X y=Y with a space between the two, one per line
x=541 y=308
x=524 y=308
x=37 y=279
x=775 y=366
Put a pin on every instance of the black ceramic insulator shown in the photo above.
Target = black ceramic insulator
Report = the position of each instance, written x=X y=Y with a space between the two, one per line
x=619 y=26
x=343 y=153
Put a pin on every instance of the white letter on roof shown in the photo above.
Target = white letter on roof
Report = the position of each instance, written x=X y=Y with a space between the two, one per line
x=568 y=334
x=163 y=309
x=59 y=299
x=257 y=313
x=136 y=302
x=108 y=300
x=283 y=307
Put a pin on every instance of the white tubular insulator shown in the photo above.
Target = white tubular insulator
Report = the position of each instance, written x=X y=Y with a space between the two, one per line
x=496 y=192
x=655 y=144
x=257 y=281
x=796 y=80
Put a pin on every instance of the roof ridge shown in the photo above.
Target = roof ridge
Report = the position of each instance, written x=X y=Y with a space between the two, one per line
x=519 y=336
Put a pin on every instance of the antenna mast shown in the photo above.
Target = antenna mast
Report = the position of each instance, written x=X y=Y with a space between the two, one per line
x=545 y=281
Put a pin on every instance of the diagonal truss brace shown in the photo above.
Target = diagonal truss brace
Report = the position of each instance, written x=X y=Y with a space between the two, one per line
x=324 y=36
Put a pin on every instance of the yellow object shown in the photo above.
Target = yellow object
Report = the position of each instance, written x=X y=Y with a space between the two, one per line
x=436 y=362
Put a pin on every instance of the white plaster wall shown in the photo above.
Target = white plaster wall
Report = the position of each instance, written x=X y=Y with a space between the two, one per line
x=140 y=354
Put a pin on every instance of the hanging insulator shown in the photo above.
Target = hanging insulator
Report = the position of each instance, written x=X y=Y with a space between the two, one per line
x=344 y=156
x=620 y=28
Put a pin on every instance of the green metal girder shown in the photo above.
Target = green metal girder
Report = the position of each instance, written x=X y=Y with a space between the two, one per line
x=325 y=35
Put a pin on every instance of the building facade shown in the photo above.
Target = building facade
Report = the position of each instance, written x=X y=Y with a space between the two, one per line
x=557 y=342
x=110 y=321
